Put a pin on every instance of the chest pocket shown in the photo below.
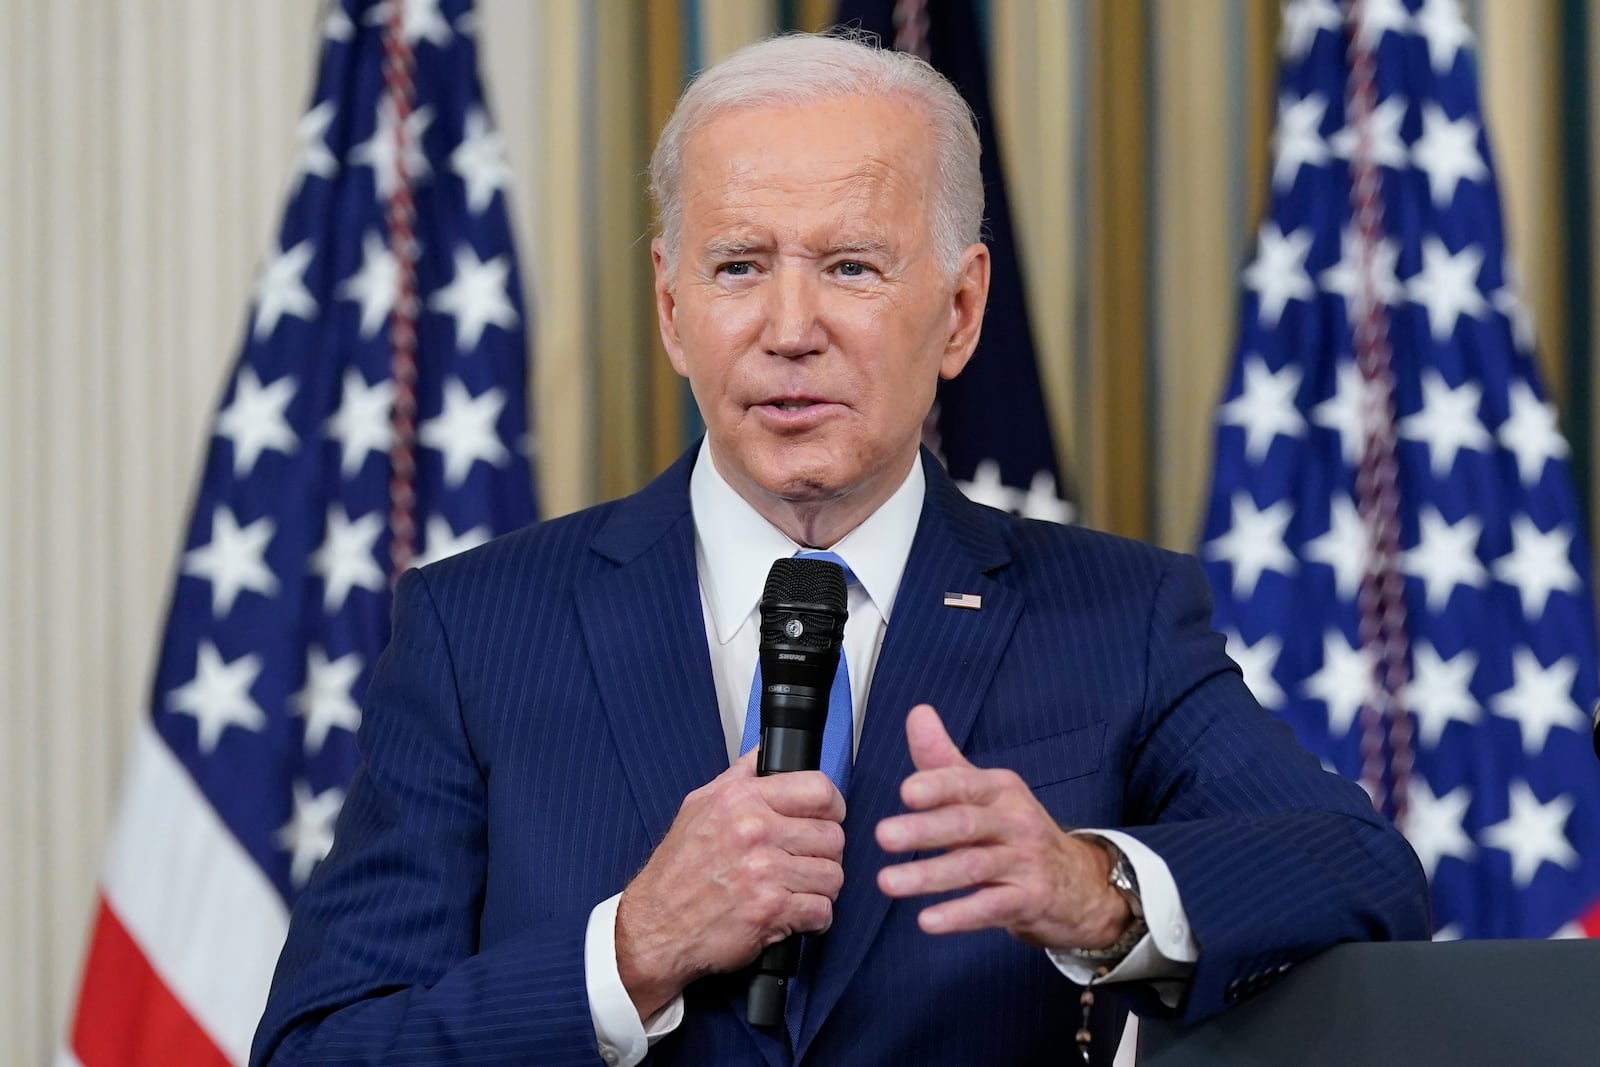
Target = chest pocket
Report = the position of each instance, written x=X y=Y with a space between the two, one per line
x=1047 y=760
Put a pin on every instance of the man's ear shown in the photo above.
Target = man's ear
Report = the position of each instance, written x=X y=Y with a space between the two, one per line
x=967 y=302
x=667 y=307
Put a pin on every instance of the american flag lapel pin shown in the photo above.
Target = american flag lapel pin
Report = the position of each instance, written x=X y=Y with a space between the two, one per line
x=963 y=600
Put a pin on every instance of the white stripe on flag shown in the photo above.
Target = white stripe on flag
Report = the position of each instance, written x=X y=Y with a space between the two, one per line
x=205 y=916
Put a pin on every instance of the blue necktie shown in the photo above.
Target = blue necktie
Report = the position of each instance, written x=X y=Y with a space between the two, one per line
x=838 y=738
x=838 y=735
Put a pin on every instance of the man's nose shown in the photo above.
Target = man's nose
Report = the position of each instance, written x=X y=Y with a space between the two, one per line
x=793 y=326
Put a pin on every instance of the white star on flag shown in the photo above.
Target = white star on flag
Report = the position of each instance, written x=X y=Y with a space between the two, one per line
x=325 y=701
x=1303 y=20
x=1265 y=407
x=1538 y=564
x=1508 y=301
x=308 y=835
x=1540 y=699
x=314 y=157
x=1348 y=279
x=476 y=297
x=345 y=558
x=375 y=286
x=1278 y=274
x=1341 y=683
x=1043 y=500
x=281 y=289
x=464 y=431
x=337 y=25
x=1447 y=286
x=1297 y=141
x=1254 y=542
x=364 y=422
x=1439 y=22
x=233 y=560
x=441 y=542
x=380 y=153
x=255 y=421
x=1530 y=433
x=1345 y=412
x=1533 y=833
x=1257 y=662
x=1448 y=152
x=1434 y=824
x=986 y=488
x=1384 y=140
x=420 y=20
x=1445 y=556
x=480 y=161
x=1346 y=547
x=218 y=696
x=1440 y=691
x=1447 y=422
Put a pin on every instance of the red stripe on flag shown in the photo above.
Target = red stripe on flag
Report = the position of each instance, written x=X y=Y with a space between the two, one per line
x=1590 y=921
x=127 y=1017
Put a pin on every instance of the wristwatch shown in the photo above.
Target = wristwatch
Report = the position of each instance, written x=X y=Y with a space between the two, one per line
x=1123 y=880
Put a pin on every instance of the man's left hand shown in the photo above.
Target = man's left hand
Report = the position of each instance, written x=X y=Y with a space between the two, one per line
x=1027 y=876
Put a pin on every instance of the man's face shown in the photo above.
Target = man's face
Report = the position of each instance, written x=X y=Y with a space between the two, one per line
x=807 y=308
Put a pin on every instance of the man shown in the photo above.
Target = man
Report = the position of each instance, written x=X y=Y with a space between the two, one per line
x=547 y=857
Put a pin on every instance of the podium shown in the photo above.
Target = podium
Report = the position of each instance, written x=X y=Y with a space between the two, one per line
x=1455 y=1003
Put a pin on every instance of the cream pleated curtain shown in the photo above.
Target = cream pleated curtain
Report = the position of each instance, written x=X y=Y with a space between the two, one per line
x=143 y=149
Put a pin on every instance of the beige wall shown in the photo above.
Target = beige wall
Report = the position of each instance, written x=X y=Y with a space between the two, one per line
x=146 y=146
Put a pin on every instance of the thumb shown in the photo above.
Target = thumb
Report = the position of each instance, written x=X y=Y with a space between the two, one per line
x=931 y=747
x=744 y=766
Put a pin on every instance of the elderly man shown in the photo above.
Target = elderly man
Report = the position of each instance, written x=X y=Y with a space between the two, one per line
x=548 y=858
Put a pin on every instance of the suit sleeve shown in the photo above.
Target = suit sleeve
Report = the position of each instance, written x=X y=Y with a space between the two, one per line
x=1275 y=858
x=382 y=962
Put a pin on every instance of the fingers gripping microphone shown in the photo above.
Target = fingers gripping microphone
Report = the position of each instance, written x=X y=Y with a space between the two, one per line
x=803 y=610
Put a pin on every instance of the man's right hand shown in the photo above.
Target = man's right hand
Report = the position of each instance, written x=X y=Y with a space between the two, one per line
x=747 y=862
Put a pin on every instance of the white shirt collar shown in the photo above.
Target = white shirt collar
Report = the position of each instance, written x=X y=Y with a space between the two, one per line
x=737 y=546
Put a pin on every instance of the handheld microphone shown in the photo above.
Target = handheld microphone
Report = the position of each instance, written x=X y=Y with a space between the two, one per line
x=803 y=609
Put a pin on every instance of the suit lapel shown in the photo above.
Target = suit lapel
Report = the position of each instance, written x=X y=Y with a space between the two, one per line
x=646 y=636
x=940 y=655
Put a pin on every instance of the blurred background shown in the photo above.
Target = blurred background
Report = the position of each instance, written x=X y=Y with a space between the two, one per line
x=147 y=148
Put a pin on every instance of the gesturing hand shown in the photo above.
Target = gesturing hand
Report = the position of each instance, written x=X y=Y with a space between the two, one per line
x=747 y=862
x=1027 y=875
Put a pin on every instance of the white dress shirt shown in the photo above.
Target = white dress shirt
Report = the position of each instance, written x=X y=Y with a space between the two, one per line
x=734 y=549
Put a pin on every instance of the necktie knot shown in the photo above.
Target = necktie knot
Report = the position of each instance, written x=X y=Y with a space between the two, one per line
x=831 y=557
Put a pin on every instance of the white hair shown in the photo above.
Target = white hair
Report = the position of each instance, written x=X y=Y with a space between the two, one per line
x=806 y=68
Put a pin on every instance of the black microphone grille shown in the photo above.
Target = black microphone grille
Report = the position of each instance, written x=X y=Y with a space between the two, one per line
x=799 y=580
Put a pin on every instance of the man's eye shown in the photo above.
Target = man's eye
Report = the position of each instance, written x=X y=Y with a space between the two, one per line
x=852 y=269
x=737 y=270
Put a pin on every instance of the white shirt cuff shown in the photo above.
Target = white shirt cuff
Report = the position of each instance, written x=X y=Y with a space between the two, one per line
x=623 y=1039
x=1166 y=955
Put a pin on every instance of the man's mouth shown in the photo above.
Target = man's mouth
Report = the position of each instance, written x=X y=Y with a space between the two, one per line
x=796 y=412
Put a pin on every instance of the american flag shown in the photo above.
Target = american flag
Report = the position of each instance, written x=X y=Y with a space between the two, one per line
x=1392 y=534
x=376 y=418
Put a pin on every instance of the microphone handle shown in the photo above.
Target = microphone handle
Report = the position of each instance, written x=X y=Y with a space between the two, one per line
x=783 y=748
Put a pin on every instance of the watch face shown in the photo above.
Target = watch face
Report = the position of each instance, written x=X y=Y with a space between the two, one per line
x=1124 y=882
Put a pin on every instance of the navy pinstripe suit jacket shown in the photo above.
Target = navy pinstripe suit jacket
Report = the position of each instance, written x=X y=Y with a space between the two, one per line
x=547 y=701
